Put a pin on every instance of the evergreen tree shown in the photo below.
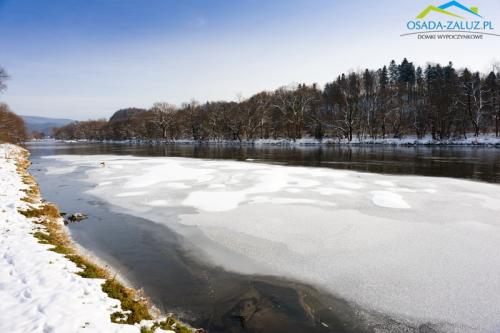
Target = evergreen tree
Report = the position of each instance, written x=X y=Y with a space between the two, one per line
x=393 y=73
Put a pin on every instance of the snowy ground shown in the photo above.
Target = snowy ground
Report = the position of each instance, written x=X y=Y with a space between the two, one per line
x=420 y=249
x=39 y=290
x=481 y=140
x=471 y=140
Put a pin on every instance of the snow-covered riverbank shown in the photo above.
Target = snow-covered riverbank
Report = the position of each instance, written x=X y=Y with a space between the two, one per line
x=39 y=289
x=483 y=140
x=416 y=248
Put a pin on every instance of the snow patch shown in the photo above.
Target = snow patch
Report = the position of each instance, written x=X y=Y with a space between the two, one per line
x=131 y=194
x=214 y=201
x=349 y=185
x=60 y=170
x=158 y=203
x=176 y=185
x=389 y=200
x=332 y=190
x=385 y=183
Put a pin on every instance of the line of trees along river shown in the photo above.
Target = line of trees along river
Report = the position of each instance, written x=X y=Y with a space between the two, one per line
x=12 y=128
x=392 y=101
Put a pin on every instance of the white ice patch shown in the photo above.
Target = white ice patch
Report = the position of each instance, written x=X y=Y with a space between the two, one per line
x=60 y=170
x=349 y=185
x=158 y=203
x=389 y=200
x=289 y=201
x=385 y=183
x=115 y=166
x=216 y=186
x=176 y=185
x=214 y=201
x=424 y=249
x=131 y=194
x=331 y=191
x=169 y=172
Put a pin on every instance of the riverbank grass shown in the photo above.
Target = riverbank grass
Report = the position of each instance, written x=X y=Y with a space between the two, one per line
x=169 y=324
x=135 y=307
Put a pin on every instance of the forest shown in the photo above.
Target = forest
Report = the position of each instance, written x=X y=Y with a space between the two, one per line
x=394 y=101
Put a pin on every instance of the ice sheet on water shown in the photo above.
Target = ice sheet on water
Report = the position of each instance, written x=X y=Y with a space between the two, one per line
x=158 y=203
x=132 y=194
x=415 y=247
x=60 y=170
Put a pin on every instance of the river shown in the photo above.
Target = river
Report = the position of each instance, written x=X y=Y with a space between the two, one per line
x=178 y=278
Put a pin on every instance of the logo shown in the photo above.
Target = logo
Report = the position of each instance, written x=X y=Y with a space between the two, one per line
x=443 y=10
x=450 y=21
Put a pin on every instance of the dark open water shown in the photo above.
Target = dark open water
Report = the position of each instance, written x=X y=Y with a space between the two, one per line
x=478 y=163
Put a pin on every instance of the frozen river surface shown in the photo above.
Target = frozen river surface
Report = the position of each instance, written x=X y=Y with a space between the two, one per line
x=420 y=249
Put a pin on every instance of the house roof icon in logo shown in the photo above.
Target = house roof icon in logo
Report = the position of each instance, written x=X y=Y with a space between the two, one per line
x=444 y=9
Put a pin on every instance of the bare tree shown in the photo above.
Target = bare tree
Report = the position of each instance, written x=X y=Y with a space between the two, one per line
x=293 y=103
x=12 y=128
x=232 y=118
x=192 y=119
x=3 y=78
x=493 y=99
x=475 y=99
x=256 y=114
x=164 y=116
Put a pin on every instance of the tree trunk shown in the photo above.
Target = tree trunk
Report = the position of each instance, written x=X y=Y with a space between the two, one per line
x=497 y=124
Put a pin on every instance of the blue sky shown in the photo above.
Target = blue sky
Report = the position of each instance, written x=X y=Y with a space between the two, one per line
x=85 y=59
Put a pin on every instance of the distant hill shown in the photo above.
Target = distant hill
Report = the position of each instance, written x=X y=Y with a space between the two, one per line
x=126 y=114
x=43 y=124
